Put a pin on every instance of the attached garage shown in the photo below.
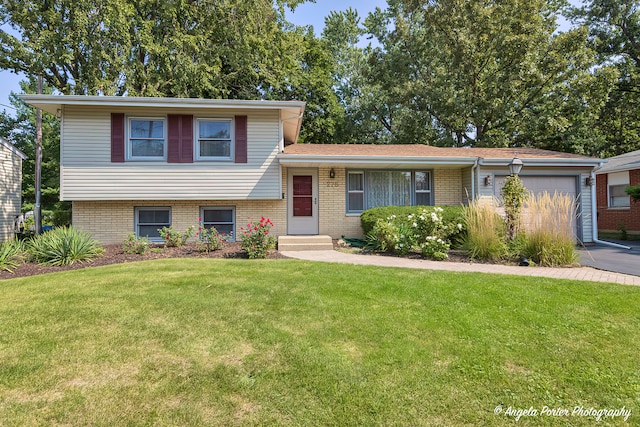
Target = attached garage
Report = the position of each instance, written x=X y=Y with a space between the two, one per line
x=562 y=184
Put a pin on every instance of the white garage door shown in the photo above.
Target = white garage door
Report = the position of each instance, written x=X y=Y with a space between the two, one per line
x=540 y=184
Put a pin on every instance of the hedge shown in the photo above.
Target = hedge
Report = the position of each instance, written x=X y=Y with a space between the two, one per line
x=369 y=217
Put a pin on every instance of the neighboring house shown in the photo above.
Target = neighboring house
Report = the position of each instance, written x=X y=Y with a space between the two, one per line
x=10 y=187
x=137 y=164
x=616 y=210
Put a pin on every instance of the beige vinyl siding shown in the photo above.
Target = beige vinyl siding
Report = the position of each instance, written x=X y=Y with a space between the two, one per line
x=88 y=174
x=585 y=210
x=10 y=191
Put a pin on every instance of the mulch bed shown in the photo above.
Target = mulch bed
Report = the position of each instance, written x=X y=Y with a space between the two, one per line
x=113 y=255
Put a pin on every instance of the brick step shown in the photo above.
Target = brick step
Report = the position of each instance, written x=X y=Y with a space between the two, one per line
x=305 y=243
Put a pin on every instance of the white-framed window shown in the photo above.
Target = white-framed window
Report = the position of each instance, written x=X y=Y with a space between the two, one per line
x=371 y=188
x=422 y=181
x=223 y=218
x=214 y=139
x=618 y=182
x=147 y=138
x=150 y=219
x=355 y=191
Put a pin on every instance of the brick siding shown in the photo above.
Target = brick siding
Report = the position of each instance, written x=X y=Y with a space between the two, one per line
x=612 y=219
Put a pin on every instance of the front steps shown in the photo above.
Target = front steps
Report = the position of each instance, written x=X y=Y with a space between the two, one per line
x=305 y=243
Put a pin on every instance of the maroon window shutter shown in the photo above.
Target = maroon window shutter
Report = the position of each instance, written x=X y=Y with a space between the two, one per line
x=117 y=137
x=241 y=139
x=180 y=138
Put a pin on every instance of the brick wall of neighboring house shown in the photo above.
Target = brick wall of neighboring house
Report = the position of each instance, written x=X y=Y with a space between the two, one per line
x=612 y=219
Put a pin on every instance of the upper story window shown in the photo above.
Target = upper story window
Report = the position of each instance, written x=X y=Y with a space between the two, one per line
x=618 y=197
x=147 y=138
x=214 y=139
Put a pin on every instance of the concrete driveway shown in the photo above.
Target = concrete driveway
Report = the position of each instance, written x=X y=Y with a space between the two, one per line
x=609 y=258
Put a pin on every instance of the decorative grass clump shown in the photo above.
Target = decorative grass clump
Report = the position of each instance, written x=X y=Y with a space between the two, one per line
x=11 y=252
x=63 y=246
x=550 y=238
x=485 y=238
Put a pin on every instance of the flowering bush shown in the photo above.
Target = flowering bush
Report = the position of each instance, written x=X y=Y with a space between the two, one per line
x=173 y=238
x=424 y=231
x=208 y=238
x=256 y=241
x=135 y=245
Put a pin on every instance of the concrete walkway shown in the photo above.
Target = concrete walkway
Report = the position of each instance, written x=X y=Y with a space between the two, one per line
x=576 y=273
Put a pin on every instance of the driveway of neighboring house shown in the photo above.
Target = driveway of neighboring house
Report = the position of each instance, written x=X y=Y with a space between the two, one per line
x=609 y=258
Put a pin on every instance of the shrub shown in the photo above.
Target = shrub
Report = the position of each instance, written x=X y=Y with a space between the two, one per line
x=633 y=191
x=514 y=195
x=485 y=238
x=424 y=229
x=11 y=252
x=549 y=227
x=173 y=238
x=208 y=239
x=135 y=245
x=256 y=241
x=368 y=218
x=63 y=246
x=382 y=237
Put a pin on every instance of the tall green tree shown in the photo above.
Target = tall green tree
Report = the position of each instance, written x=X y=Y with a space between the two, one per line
x=614 y=30
x=20 y=129
x=476 y=72
x=229 y=49
x=213 y=48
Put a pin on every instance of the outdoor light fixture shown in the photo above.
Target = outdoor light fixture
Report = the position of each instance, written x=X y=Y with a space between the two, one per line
x=332 y=173
x=515 y=166
x=589 y=181
x=487 y=180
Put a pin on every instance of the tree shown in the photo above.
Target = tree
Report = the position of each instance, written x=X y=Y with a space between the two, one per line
x=213 y=49
x=472 y=72
x=20 y=129
x=614 y=31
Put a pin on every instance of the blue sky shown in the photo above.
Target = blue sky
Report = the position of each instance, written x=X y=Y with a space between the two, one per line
x=305 y=14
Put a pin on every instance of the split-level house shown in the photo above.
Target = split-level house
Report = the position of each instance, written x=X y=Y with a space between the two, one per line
x=137 y=164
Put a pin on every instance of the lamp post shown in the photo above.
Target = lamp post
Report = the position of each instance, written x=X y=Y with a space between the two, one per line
x=515 y=166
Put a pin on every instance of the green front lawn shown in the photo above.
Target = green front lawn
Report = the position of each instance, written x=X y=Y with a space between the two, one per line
x=237 y=342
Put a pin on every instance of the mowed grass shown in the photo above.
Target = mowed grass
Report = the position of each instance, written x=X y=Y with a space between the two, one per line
x=284 y=342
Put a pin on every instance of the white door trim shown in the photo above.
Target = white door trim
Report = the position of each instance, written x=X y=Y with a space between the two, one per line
x=302 y=225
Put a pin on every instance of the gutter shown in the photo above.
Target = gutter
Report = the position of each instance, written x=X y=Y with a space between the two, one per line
x=594 y=215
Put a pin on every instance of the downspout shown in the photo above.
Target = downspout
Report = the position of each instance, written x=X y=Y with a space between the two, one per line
x=594 y=214
x=473 y=179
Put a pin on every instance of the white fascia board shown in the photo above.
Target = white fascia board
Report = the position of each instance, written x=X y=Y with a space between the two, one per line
x=591 y=163
x=15 y=150
x=298 y=160
x=621 y=168
x=51 y=103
